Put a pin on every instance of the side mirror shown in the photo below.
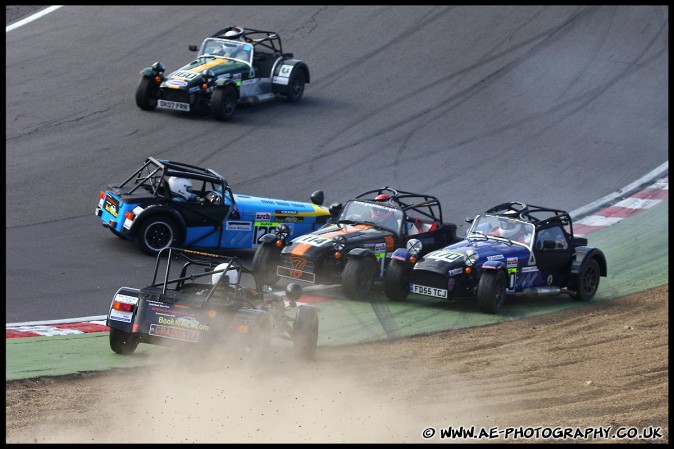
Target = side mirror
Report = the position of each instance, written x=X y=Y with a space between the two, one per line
x=293 y=291
x=193 y=47
x=335 y=209
x=317 y=197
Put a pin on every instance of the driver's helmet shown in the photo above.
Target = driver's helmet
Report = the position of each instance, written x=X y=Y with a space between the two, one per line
x=509 y=229
x=382 y=214
x=180 y=186
x=232 y=274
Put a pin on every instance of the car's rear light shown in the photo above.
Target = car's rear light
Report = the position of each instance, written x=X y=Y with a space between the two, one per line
x=122 y=306
x=129 y=215
x=102 y=195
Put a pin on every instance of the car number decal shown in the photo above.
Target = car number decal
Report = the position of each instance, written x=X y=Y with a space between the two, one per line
x=313 y=240
x=428 y=291
x=444 y=255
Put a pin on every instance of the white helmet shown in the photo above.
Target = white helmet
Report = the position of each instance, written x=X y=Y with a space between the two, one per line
x=231 y=273
x=180 y=186
x=509 y=229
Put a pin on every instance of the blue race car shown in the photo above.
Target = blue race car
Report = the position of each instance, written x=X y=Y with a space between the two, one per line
x=166 y=203
x=511 y=249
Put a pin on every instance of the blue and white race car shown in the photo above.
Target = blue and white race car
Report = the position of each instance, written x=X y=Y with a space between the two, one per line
x=165 y=203
x=511 y=249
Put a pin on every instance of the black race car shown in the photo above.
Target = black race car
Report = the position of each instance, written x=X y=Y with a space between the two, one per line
x=234 y=66
x=511 y=249
x=198 y=298
x=355 y=248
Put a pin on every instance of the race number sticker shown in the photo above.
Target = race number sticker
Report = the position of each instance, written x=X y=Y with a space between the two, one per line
x=313 y=240
x=446 y=256
x=285 y=71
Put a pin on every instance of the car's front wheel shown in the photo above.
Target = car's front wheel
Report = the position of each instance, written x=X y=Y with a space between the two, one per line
x=491 y=291
x=396 y=284
x=588 y=281
x=155 y=234
x=296 y=86
x=223 y=103
x=358 y=277
x=267 y=257
x=305 y=332
x=147 y=94
x=123 y=342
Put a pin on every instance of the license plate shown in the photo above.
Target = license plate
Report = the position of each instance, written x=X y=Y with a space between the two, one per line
x=428 y=291
x=174 y=105
x=297 y=275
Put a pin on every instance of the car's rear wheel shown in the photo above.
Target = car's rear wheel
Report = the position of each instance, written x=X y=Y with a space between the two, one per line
x=147 y=94
x=157 y=233
x=491 y=291
x=123 y=342
x=223 y=103
x=588 y=281
x=396 y=284
x=296 y=86
x=358 y=277
x=267 y=257
x=305 y=332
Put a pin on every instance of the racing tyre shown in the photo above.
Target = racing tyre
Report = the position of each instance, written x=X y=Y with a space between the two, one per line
x=123 y=342
x=491 y=291
x=223 y=103
x=296 y=86
x=358 y=277
x=155 y=234
x=588 y=281
x=305 y=332
x=396 y=285
x=265 y=261
x=147 y=94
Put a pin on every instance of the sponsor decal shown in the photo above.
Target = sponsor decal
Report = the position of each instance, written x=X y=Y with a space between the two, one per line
x=529 y=269
x=279 y=80
x=265 y=224
x=239 y=226
x=549 y=280
x=178 y=83
x=195 y=89
x=285 y=71
x=512 y=262
x=286 y=212
x=249 y=81
x=497 y=257
x=118 y=315
x=236 y=77
x=126 y=299
x=455 y=271
x=176 y=333
x=263 y=216
x=111 y=206
x=226 y=75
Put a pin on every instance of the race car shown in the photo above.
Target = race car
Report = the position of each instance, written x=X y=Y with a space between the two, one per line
x=166 y=203
x=234 y=66
x=199 y=298
x=355 y=248
x=513 y=249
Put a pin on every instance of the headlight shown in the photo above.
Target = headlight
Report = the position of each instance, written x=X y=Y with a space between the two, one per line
x=414 y=246
x=339 y=243
x=470 y=258
x=282 y=231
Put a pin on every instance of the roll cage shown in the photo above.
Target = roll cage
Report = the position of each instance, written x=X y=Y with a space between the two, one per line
x=257 y=38
x=192 y=262
x=152 y=176
x=540 y=217
x=413 y=205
